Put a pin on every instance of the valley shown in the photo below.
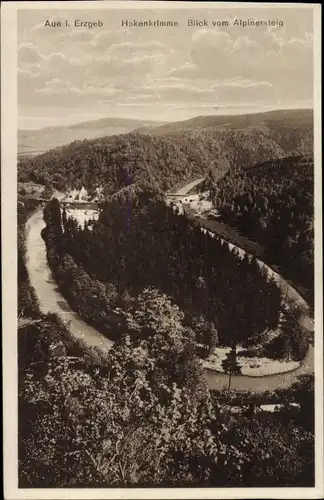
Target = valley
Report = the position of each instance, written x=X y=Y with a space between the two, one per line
x=160 y=323
x=51 y=301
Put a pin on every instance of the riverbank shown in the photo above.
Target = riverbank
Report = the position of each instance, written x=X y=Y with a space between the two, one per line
x=49 y=298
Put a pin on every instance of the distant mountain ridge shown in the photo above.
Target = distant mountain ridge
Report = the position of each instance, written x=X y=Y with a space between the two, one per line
x=296 y=117
x=31 y=142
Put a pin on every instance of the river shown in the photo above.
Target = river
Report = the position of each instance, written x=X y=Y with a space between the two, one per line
x=49 y=298
x=51 y=301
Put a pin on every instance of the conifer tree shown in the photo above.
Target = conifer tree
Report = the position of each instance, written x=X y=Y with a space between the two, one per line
x=230 y=365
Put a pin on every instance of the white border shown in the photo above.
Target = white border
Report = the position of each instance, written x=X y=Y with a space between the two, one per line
x=9 y=260
x=145 y=4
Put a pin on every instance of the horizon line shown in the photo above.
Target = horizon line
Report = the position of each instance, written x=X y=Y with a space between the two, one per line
x=164 y=122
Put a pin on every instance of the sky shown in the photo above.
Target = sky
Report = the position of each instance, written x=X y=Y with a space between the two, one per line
x=70 y=74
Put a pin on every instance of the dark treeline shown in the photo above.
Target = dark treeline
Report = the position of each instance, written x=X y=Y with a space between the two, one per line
x=273 y=203
x=140 y=243
x=165 y=161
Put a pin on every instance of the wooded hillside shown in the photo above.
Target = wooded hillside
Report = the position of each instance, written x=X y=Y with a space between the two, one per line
x=167 y=160
x=272 y=202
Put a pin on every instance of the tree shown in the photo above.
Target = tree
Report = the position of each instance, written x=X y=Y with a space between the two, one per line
x=159 y=322
x=64 y=218
x=212 y=337
x=155 y=315
x=205 y=333
x=48 y=192
x=293 y=340
x=230 y=365
x=52 y=216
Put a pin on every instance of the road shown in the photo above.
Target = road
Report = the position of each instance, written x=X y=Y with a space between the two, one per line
x=188 y=187
x=51 y=301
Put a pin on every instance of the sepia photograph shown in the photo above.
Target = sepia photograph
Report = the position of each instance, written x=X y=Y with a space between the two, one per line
x=164 y=214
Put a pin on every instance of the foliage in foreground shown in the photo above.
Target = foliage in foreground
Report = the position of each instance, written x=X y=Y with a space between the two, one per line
x=126 y=419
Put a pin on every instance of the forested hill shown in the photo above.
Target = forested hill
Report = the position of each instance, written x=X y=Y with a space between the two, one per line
x=163 y=161
x=280 y=121
x=272 y=202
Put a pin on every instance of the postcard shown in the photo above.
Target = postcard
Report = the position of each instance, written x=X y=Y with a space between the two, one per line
x=162 y=276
